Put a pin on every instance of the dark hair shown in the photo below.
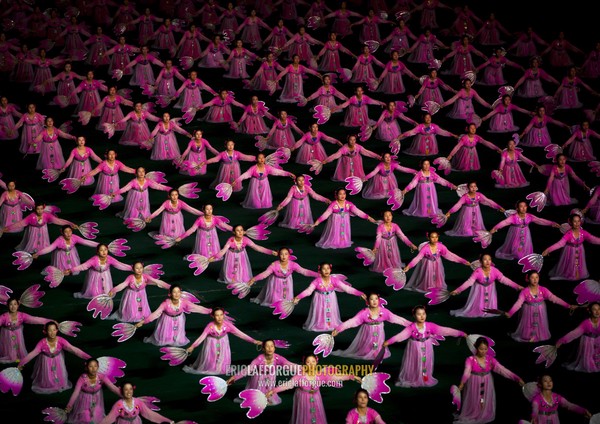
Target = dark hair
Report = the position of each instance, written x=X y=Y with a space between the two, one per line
x=519 y=202
x=484 y=254
x=215 y=309
x=282 y=248
x=358 y=392
x=99 y=246
x=173 y=190
x=372 y=293
x=417 y=308
x=10 y=299
x=589 y=308
x=264 y=342
x=572 y=216
x=125 y=383
x=90 y=360
x=48 y=324
x=481 y=341
x=173 y=287
x=337 y=190
x=64 y=227
x=308 y=356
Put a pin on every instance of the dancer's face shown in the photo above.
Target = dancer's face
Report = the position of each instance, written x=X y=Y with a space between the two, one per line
x=138 y=269
x=387 y=217
x=51 y=332
x=374 y=301
x=218 y=316
x=534 y=280
x=284 y=255
x=103 y=251
x=325 y=270
x=482 y=350
x=92 y=368
x=420 y=316
x=13 y=306
x=547 y=383
x=362 y=400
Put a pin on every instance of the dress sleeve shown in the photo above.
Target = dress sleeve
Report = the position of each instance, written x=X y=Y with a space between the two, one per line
x=572 y=335
x=150 y=415
x=445 y=331
x=347 y=288
x=553 y=298
x=118 y=264
x=239 y=333
x=74 y=350
x=503 y=371
x=470 y=281
x=401 y=336
x=518 y=303
x=154 y=315
x=75 y=393
x=202 y=336
x=467 y=371
x=570 y=406
x=353 y=322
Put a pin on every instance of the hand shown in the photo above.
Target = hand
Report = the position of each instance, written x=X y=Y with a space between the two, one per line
x=334 y=333
x=82 y=179
x=68 y=409
x=506 y=315
x=461 y=386
x=357 y=379
x=468 y=264
x=251 y=282
x=585 y=210
x=405 y=269
x=230 y=380
x=521 y=382
x=502 y=210
x=274 y=253
x=374 y=250
x=453 y=293
x=493 y=230
x=372 y=220
x=453 y=187
x=111 y=293
x=35 y=256
x=258 y=342
x=139 y=324
x=178 y=240
x=519 y=288
x=189 y=350
x=269 y=393
x=587 y=414
x=148 y=220
x=572 y=308
x=449 y=157
x=75 y=227
x=385 y=344
x=211 y=259
x=67 y=272
x=404 y=192
x=61 y=170
x=556 y=225
x=447 y=214
x=296 y=300
x=586 y=188
x=413 y=247
x=363 y=297
x=545 y=253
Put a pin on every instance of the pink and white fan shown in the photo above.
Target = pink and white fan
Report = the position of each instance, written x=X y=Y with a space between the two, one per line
x=395 y=278
x=255 y=400
x=55 y=415
x=175 y=355
x=396 y=199
x=214 y=387
x=101 y=305
x=324 y=344
x=11 y=380
x=456 y=396
x=366 y=254
x=437 y=295
x=548 y=354
x=283 y=308
x=533 y=261
x=375 y=384
x=483 y=237
x=587 y=291
x=354 y=185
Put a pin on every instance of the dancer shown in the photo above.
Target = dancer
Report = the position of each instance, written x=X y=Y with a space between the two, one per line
x=387 y=254
x=238 y=60
x=425 y=202
x=430 y=88
x=381 y=181
x=349 y=160
x=136 y=132
x=326 y=95
x=64 y=251
x=12 y=204
x=545 y=404
x=531 y=81
x=33 y=124
x=252 y=121
x=298 y=211
x=90 y=97
x=310 y=146
x=171 y=223
x=579 y=144
x=120 y=56
x=591 y=210
x=162 y=139
x=191 y=92
x=566 y=96
x=165 y=81
x=143 y=72
x=357 y=114
x=362 y=413
x=219 y=111
x=399 y=38
x=8 y=111
x=212 y=56
x=536 y=134
x=558 y=188
x=137 y=204
x=129 y=409
x=330 y=54
x=387 y=124
x=51 y=155
x=267 y=71
x=463 y=102
x=461 y=56
x=281 y=134
x=588 y=332
x=493 y=68
x=109 y=110
x=526 y=44
x=558 y=51
x=425 y=141
x=422 y=49
x=229 y=170
x=78 y=162
x=294 y=74
x=464 y=155
x=108 y=181
x=390 y=80
x=362 y=71
x=207 y=241
x=502 y=120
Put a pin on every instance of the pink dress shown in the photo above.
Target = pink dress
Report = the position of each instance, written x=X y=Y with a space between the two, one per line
x=213 y=56
x=483 y=293
x=533 y=317
x=479 y=394
x=309 y=147
x=547 y=413
x=97 y=54
x=137 y=131
x=165 y=81
x=143 y=73
x=134 y=303
x=170 y=328
x=50 y=372
x=357 y=113
x=11 y=210
x=300 y=45
x=331 y=56
x=518 y=241
x=536 y=133
x=469 y=218
x=369 y=340
x=425 y=202
x=229 y=170
x=493 y=73
x=464 y=155
x=279 y=36
x=326 y=95
x=171 y=223
x=36 y=232
x=429 y=270
x=324 y=313
x=79 y=164
x=423 y=49
x=349 y=162
x=236 y=265
x=32 y=127
x=568 y=97
x=250 y=31
x=281 y=134
x=581 y=150
x=137 y=204
x=7 y=122
x=588 y=354
x=363 y=71
x=207 y=241
x=338 y=232
x=391 y=77
x=191 y=94
x=381 y=181
x=259 y=194
x=593 y=216
x=195 y=154
x=425 y=141
x=387 y=124
x=572 y=264
x=12 y=340
x=298 y=211
x=559 y=189
x=463 y=108
x=87 y=401
x=280 y=284
x=371 y=417
x=532 y=84
x=164 y=39
x=252 y=121
x=219 y=111
x=108 y=179
x=293 y=88
x=240 y=59
x=65 y=256
x=51 y=155
x=215 y=356
x=98 y=279
x=387 y=254
x=112 y=113
x=121 y=413
x=398 y=39
x=164 y=146
x=120 y=58
x=417 y=363
x=462 y=60
x=266 y=72
x=430 y=91
x=503 y=121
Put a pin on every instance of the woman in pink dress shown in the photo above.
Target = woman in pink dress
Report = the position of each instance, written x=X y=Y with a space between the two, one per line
x=579 y=144
x=189 y=44
x=78 y=162
x=74 y=47
x=219 y=111
x=64 y=250
x=326 y=94
x=483 y=295
x=252 y=121
x=162 y=139
x=192 y=97
x=310 y=146
x=357 y=114
x=259 y=194
x=566 y=95
x=466 y=21
x=369 y=340
x=8 y=111
x=341 y=20
x=229 y=169
x=129 y=409
x=558 y=189
x=281 y=134
x=125 y=15
x=463 y=102
x=22 y=71
x=477 y=385
x=250 y=30
x=338 y=232
x=536 y=134
x=418 y=360
x=465 y=152
x=362 y=71
x=215 y=357
x=533 y=319
x=422 y=50
x=109 y=110
x=120 y=57
x=229 y=18
x=171 y=223
x=331 y=54
x=239 y=59
x=134 y=302
x=493 y=68
x=589 y=69
x=430 y=88
x=461 y=56
x=142 y=64
x=526 y=44
x=207 y=241
x=588 y=333
x=308 y=404
x=12 y=204
x=387 y=254
x=381 y=181
x=298 y=212
x=425 y=202
x=572 y=265
x=545 y=403
x=51 y=155
x=399 y=38
x=136 y=131
x=12 y=340
x=33 y=124
x=299 y=44
x=370 y=26
x=42 y=77
x=518 y=241
x=387 y=124
x=100 y=44
x=108 y=181
x=50 y=372
x=362 y=413
x=170 y=328
x=591 y=210
x=558 y=51
x=165 y=81
x=490 y=32
x=86 y=403
x=280 y=284
x=469 y=219
x=90 y=97
x=236 y=264
x=194 y=155
x=210 y=12
x=390 y=80
x=501 y=116
x=324 y=313
x=137 y=204
x=279 y=36
x=212 y=56
x=267 y=71
x=164 y=38
x=425 y=135
x=531 y=81
x=429 y=270
x=293 y=89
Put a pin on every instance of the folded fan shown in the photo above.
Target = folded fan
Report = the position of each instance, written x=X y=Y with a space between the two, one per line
x=103 y=201
x=124 y=331
x=395 y=146
x=366 y=131
x=165 y=242
x=366 y=254
x=379 y=358
x=111 y=367
x=305 y=228
x=587 y=291
x=70 y=185
x=324 y=344
x=532 y=261
x=135 y=224
x=269 y=217
x=483 y=237
x=69 y=328
x=537 y=200
x=439 y=220
x=11 y=380
x=322 y=114
x=316 y=166
x=240 y=290
x=396 y=199
x=50 y=174
x=55 y=415
x=498 y=176
x=456 y=396
x=214 y=387
x=547 y=353
x=395 y=278
x=175 y=355
x=443 y=164
x=199 y=262
x=89 y=230
x=437 y=295
x=23 y=261
x=224 y=191
x=354 y=185
x=53 y=275
x=283 y=308
x=84 y=117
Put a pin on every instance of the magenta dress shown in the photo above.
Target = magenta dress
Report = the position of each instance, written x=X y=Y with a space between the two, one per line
x=12 y=340
x=219 y=111
x=191 y=94
x=279 y=36
x=430 y=91
x=493 y=74
x=112 y=113
x=568 y=97
x=381 y=181
x=349 y=162
x=518 y=241
x=588 y=354
x=341 y=23
x=536 y=133
x=42 y=76
x=387 y=254
x=164 y=39
x=324 y=313
x=36 y=232
x=425 y=202
x=547 y=413
x=371 y=417
x=236 y=265
x=369 y=340
x=363 y=71
x=479 y=394
x=143 y=73
x=298 y=211
x=98 y=279
x=310 y=147
x=429 y=270
x=293 y=88
x=266 y=72
x=134 y=303
x=338 y=232
x=97 y=55
x=464 y=155
x=51 y=155
x=79 y=164
x=65 y=256
x=533 y=318
x=423 y=49
x=87 y=401
x=559 y=189
x=137 y=204
x=580 y=149
x=121 y=413
x=503 y=121
x=164 y=146
x=425 y=141
x=213 y=56
x=300 y=45
x=171 y=223
x=590 y=68
x=239 y=62
x=592 y=217
x=252 y=121
x=259 y=194
x=532 y=84
x=120 y=58
x=11 y=210
x=483 y=293
x=32 y=127
x=90 y=97
x=462 y=60
x=207 y=241
x=7 y=122
x=387 y=124
x=469 y=218
x=108 y=179
x=398 y=39
x=250 y=31
x=50 y=372
x=417 y=363
x=357 y=113
x=74 y=46
x=170 y=328
x=391 y=77
x=137 y=131
x=165 y=81
x=215 y=356
x=195 y=154
x=280 y=284
x=572 y=265
x=463 y=108
x=331 y=56
x=326 y=95
x=229 y=170
x=281 y=134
